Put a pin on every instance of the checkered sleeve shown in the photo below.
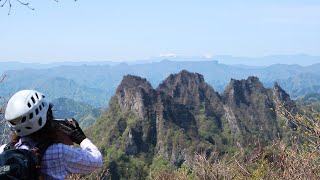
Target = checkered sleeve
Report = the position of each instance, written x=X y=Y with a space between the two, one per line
x=84 y=160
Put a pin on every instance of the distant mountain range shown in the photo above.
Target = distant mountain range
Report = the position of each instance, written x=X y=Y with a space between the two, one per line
x=94 y=84
x=299 y=59
x=85 y=114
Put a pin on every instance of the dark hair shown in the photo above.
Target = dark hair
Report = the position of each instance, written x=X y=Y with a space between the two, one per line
x=48 y=133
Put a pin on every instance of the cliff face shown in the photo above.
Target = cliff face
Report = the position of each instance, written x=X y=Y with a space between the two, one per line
x=184 y=115
x=249 y=110
x=135 y=94
x=280 y=97
x=150 y=121
x=191 y=90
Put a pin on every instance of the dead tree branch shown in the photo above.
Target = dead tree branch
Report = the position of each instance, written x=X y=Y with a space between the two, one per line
x=9 y=3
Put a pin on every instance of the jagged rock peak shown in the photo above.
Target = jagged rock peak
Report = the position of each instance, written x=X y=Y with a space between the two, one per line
x=277 y=87
x=131 y=81
x=252 y=83
x=133 y=94
x=240 y=91
x=185 y=87
x=185 y=75
x=183 y=78
x=251 y=80
x=280 y=93
x=190 y=89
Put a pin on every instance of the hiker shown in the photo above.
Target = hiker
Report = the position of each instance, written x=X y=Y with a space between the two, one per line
x=30 y=116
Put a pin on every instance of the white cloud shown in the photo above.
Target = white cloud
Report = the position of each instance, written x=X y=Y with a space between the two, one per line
x=168 y=55
x=208 y=55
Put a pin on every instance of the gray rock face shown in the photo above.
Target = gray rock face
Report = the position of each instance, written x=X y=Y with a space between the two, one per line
x=163 y=124
x=184 y=114
x=189 y=89
x=280 y=97
x=134 y=94
x=250 y=110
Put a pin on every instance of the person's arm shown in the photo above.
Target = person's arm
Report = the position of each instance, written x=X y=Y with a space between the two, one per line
x=84 y=160
x=2 y=148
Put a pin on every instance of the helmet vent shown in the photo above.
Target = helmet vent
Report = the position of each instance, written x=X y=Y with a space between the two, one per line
x=30 y=115
x=26 y=112
x=40 y=121
x=32 y=98
x=23 y=119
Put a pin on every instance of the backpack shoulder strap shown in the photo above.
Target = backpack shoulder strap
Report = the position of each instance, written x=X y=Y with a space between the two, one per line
x=41 y=148
x=10 y=145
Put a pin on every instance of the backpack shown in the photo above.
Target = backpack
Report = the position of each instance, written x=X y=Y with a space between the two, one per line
x=16 y=164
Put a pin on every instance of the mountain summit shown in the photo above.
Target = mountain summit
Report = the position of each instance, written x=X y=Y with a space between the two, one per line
x=182 y=116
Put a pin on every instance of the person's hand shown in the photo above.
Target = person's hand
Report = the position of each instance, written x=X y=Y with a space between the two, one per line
x=73 y=130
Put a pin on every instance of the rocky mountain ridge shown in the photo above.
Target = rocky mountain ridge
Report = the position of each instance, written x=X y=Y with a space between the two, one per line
x=184 y=115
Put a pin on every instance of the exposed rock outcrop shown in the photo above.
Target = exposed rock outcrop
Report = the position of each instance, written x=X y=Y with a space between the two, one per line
x=161 y=124
x=134 y=94
x=249 y=109
x=185 y=115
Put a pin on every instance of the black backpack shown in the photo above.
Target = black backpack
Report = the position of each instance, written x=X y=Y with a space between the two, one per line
x=16 y=164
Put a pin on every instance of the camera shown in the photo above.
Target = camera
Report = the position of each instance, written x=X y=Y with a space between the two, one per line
x=62 y=137
x=63 y=121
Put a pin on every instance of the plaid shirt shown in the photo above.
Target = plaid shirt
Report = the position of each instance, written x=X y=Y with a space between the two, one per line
x=60 y=160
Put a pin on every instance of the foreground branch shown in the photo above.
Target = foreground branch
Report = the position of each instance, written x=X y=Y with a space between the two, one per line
x=10 y=4
x=26 y=4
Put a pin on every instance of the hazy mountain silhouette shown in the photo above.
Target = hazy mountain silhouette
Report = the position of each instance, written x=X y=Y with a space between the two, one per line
x=94 y=84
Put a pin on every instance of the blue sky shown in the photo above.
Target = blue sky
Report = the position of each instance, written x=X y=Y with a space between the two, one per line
x=139 y=29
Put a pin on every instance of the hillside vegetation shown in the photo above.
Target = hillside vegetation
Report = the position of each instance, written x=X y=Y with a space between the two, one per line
x=185 y=130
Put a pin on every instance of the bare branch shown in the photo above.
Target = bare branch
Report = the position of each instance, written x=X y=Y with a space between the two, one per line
x=10 y=5
x=4 y=3
x=25 y=4
x=3 y=78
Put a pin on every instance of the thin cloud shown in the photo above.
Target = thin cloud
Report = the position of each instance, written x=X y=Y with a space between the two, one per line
x=168 y=55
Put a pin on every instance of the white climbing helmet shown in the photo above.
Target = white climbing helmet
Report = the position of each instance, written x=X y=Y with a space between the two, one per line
x=26 y=112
